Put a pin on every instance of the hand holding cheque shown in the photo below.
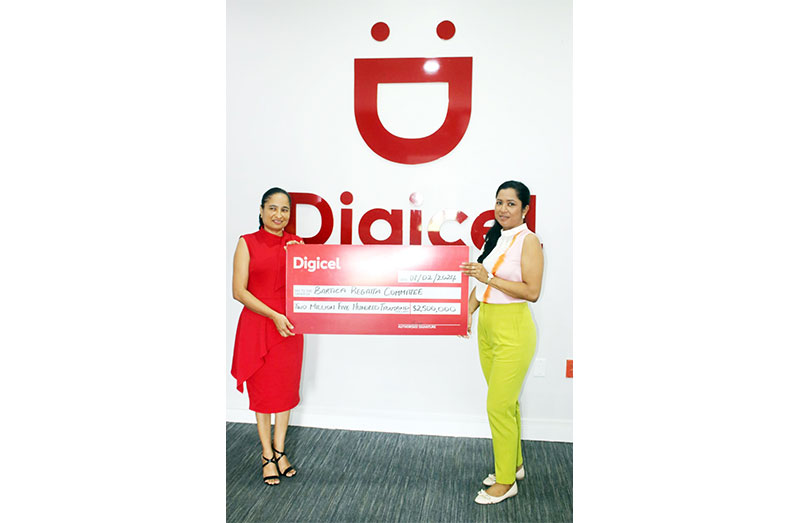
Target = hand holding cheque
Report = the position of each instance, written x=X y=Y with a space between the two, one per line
x=282 y=324
x=475 y=270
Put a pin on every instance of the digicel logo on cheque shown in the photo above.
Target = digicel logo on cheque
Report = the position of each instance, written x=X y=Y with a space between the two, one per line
x=312 y=265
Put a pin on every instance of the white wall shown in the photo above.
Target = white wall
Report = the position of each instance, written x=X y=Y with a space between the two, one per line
x=291 y=124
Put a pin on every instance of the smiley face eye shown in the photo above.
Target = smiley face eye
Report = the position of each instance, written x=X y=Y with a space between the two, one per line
x=380 y=31
x=445 y=30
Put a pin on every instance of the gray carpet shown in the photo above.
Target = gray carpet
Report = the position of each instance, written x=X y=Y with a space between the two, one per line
x=351 y=476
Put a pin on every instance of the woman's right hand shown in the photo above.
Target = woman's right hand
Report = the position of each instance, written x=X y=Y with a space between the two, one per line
x=283 y=325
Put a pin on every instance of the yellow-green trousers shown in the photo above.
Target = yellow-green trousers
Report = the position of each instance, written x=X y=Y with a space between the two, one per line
x=507 y=338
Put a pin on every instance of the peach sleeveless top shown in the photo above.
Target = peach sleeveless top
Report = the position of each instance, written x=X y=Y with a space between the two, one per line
x=504 y=261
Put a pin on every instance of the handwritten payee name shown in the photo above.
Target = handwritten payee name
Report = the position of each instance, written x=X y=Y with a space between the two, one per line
x=388 y=292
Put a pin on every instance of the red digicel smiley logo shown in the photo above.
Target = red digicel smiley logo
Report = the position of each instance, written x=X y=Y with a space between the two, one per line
x=369 y=72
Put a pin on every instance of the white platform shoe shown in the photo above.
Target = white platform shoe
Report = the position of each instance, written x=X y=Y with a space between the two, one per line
x=483 y=498
x=491 y=479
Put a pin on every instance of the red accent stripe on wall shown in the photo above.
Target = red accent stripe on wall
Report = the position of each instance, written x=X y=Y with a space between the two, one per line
x=530 y=216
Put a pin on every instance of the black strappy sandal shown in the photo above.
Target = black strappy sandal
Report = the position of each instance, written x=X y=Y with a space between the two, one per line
x=277 y=477
x=286 y=471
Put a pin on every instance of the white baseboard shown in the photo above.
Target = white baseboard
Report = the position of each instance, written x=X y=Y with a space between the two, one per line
x=414 y=423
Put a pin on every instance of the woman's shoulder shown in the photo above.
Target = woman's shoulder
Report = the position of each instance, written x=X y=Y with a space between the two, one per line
x=523 y=233
x=531 y=238
x=258 y=240
x=289 y=236
x=527 y=232
x=249 y=237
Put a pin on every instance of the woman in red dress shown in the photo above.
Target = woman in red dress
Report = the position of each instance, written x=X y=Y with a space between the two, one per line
x=267 y=354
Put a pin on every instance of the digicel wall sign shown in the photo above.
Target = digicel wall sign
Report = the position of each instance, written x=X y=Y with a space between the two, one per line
x=454 y=71
x=396 y=221
x=368 y=74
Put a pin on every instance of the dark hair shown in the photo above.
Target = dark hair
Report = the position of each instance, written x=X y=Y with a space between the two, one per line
x=522 y=191
x=266 y=195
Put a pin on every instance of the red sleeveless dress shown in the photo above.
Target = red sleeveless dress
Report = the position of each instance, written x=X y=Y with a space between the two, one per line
x=268 y=363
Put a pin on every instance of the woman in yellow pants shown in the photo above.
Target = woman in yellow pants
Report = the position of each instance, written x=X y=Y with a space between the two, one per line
x=509 y=272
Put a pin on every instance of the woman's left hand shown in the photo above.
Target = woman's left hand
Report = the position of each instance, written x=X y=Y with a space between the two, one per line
x=292 y=242
x=475 y=270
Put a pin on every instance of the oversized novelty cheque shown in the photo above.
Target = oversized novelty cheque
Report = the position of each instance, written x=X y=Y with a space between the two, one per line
x=376 y=289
